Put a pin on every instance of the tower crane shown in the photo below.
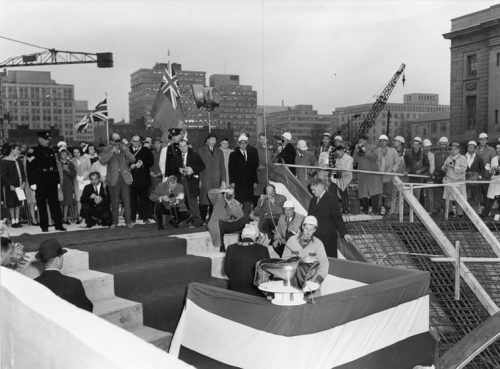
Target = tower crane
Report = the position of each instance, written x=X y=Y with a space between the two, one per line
x=378 y=105
x=56 y=57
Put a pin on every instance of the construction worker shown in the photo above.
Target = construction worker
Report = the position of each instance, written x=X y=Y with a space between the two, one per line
x=486 y=153
x=440 y=157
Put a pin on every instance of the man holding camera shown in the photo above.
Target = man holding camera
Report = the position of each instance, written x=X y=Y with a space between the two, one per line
x=268 y=211
x=227 y=216
x=118 y=157
x=169 y=200
x=95 y=202
x=141 y=183
x=455 y=167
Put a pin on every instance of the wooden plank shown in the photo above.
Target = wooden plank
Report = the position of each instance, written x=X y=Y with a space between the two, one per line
x=476 y=220
x=465 y=350
x=448 y=249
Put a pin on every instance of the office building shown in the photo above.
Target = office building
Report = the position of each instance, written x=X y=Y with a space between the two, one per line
x=302 y=122
x=81 y=110
x=431 y=126
x=394 y=116
x=475 y=74
x=238 y=107
x=267 y=109
x=35 y=100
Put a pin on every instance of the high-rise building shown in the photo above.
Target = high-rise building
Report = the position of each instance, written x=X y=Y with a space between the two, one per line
x=475 y=74
x=238 y=107
x=144 y=86
x=414 y=106
x=302 y=122
x=81 y=110
x=33 y=99
x=267 y=109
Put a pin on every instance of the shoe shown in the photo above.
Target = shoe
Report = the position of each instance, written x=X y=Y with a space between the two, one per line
x=78 y=221
x=174 y=224
x=112 y=226
x=61 y=228
x=130 y=226
x=45 y=230
x=222 y=248
x=67 y=222
x=16 y=225
x=160 y=228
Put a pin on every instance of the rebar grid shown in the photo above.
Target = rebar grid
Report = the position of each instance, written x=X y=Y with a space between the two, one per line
x=410 y=245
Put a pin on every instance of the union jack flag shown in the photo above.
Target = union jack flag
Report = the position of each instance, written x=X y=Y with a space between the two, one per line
x=170 y=86
x=99 y=114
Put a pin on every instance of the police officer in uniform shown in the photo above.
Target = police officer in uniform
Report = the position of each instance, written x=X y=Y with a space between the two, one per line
x=44 y=179
x=173 y=152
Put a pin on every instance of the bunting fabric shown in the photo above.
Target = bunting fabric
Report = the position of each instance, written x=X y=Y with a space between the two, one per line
x=355 y=324
x=167 y=110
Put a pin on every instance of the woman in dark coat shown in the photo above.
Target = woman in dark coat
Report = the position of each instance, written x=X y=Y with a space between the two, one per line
x=67 y=174
x=13 y=176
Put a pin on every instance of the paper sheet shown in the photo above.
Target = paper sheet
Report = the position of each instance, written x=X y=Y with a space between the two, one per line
x=20 y=194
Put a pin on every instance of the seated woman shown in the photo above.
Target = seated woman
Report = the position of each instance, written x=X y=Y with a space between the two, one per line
x=168 y=197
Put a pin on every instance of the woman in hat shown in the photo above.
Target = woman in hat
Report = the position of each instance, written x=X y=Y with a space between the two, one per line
x=13 y=178
x=83 y=167
x=67 y=174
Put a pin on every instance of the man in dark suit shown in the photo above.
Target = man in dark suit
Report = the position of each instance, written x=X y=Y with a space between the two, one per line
x=169 y=201
x=243 y=164
x=118 y=157
x=325 y=207
x=239 y=263
x=288 y=153
x=141 y=184
x=189 y=166
x=68 y=288
x=95 y=202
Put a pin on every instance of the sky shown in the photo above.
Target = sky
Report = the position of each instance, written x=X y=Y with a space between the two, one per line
x=325 y=53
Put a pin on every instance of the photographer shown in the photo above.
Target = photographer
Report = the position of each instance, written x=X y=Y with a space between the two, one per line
x=494 y=187
x=227 y=216
x=95 y=202
x=169 y=200
x=117 y=157
x=370 y=185
x=268 y=211
x=454 y=167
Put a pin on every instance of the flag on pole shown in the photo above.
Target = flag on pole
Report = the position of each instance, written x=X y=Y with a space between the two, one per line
x=99 y=114
x=167 y=111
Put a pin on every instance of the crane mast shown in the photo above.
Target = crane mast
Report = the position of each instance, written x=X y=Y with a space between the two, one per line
x=56 y=57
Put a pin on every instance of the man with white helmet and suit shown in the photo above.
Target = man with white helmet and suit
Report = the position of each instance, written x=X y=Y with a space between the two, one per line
x=486 y=153
x=387 y=161
x=304 y=157
x=440 y=157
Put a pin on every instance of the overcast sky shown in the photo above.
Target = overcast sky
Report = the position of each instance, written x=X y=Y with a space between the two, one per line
x=325 y=53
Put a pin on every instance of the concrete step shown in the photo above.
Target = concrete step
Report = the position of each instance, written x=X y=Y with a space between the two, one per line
x=123 y=313
x=153 y=336
x=217 y=259
x=74 y=261
x=98 y=285
x=198 y=242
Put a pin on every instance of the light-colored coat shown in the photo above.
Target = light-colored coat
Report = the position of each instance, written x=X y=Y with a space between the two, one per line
x=369 y=184
x=302 y=174
x=213 y=174
x=390 y=164
x=455 y=174
x=294 y=226
x=494 y=188
x=262 y=171
x=117 y=164
x=83 y=168
x=345 y=162
x=227 y=211
x=226 y=154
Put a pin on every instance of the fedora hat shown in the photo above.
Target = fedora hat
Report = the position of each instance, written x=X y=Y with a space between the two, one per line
x=49 y=249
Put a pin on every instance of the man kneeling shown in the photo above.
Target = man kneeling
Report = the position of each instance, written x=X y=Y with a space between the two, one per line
x=306 y=246
x=169 y=201
x=95 y=202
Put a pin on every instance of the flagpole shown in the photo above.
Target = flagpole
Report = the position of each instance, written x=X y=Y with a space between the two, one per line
x=107 y=125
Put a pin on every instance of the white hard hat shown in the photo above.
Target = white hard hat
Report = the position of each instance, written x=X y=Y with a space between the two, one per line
x=400 y=139
x=326 y=134
x=418 y=139
x=250 y=231
x=288 y=204
x=443 y=140
x=383 y=137
x=473 y=143
x=62 y=143
x=311 y=220
x=427 y=142
x=483 y=135
x=301 y=145
x=337 y=138
x=287 y=135
x=243 y=137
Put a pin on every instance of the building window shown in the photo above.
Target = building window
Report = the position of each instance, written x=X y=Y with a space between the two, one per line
x=433 y=127
x=470 y=111
x=472 y=65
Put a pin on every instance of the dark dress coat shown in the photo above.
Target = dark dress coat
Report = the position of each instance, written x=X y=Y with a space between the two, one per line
x=142 y=175
x=239 y=265
x=194 y=161
x=88 y=190
x=67 y=174
x=10 y=177
x=67 y=288
x=42 y=170
x=214 y=173
x=287 y=156
x=243 y=173
x=330 y=221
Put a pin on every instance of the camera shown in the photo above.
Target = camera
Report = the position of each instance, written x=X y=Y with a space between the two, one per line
x=495 y=171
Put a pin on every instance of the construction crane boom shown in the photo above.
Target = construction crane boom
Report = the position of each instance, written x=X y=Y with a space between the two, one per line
x=55 y=57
